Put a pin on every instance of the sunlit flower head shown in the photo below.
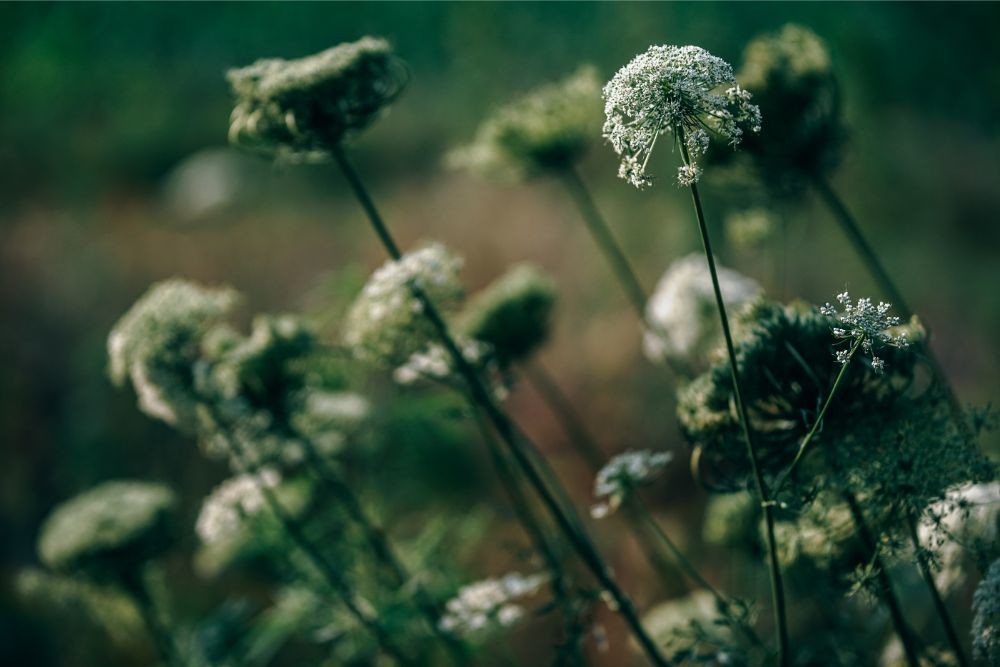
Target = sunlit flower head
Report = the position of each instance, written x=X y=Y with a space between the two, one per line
x=548 y=129
x=230 y=503
x=682 y=90
x=156 y=343
x=490 y=604
x=866 y=325
x=386 y=323
x=619 y=476
x=301 y=109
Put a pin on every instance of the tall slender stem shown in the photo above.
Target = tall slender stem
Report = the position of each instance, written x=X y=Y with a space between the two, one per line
x=939 y=605
x=245 y=463
x=807 y=439
x=516 y=443
x=777 y=589
x=380 y=545
x=885 y=583
x=605 y=240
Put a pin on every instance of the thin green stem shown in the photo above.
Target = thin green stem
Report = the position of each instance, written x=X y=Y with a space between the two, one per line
x=939 y=604
x=160 y=633
x=885 y=583
x=380 y=545
x=245 y=463
x=517 y=444
x=807 y=439
x=777 y=589
x=605 y=240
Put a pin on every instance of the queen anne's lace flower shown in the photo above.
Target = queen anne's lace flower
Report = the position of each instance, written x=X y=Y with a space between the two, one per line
x=303 y=108
x=622 y=474
x=386 y=323
x=673 y=89
x=683 y=322
x=111 y=526
x=155 y=344
x=986 y=622
x=548 y=129
x=489 y=604
x=233 y=500
x=864 y=324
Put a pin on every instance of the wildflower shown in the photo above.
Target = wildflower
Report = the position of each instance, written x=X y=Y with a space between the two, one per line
x=547 y=130
x=514 y=314
x=673 y=89
x=786 y=370
x=791 y=77
x=683 y=322
x=693 y=631
x=435 y=363
x=157 y=342
x=986 y=620
x=110 y=528
x=242 y=496
x=386 y=325
x=301 y=109
x=864 y=325
x=622 y=474
x=489 y=604
x=961 y=527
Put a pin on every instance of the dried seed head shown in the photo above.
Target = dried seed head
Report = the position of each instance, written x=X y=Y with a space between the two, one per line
x=300 y=109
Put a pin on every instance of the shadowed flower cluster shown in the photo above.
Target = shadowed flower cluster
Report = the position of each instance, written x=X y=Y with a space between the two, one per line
x=489 y=604
x=301 y=109
x=866 y=325
x=547 y=130
x=674 y=89
x=619 y=476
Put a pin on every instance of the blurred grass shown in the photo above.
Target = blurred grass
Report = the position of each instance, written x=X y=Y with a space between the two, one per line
x=101 y=102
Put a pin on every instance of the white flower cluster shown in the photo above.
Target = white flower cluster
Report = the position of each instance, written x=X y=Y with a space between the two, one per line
x=865 y=324
x=621 y=474
x=386 y=324
x=968 y=517
x=681 y=313
x=488 y=604
x=986 y=622
x=155 y=344
x=434 y=362
x=231 y=501
x=673 y=89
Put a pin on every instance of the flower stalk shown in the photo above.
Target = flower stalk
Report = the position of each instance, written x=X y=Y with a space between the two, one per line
x=515 y=442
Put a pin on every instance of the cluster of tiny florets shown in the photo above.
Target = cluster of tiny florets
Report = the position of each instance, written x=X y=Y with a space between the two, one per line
x=864 y=324
x=489 y=604
x=547 y=130
x=235 y=499
x=303 y=108
x=622 y=474
x=986 y=622
x=386 y=324
x=155 y=344
x=674 y=89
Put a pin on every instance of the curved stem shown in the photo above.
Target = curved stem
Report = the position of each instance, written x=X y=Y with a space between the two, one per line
x=939 y=605
x=380 y=545
x=777 y=589
x=244 y=462
x=885 y=583
x=807 y=439
x=517 y=444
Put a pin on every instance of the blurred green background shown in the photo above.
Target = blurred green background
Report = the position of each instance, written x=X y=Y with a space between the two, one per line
x=114 y=173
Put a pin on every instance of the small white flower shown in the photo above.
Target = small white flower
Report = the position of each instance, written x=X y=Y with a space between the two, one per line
x=489 y=603
x=232 y=501
x=623 y=473
x=864 y=324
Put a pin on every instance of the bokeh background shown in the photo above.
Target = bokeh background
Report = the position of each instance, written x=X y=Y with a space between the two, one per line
x=114 y=173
